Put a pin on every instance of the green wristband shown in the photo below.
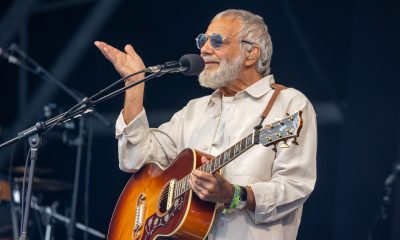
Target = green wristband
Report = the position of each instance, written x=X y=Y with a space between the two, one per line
x=236 y=197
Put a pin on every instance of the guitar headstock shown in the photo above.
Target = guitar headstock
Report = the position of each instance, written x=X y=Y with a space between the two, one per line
x=282 y=130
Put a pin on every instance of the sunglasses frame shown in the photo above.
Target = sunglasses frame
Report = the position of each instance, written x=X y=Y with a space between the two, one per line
x=216 y=40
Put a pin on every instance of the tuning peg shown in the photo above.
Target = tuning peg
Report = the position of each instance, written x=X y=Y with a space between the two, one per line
x=290 y=117
x=295 y=141
x=289 y=131
x=284 y=145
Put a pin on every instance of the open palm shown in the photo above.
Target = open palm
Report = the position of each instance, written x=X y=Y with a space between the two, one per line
x=124 y=62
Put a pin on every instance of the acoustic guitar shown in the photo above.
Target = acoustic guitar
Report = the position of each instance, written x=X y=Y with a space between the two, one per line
x=157 y=202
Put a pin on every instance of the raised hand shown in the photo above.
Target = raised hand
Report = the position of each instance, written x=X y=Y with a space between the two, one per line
x=125 y=62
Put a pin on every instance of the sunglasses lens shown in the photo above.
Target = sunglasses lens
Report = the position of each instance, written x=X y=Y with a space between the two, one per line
x=216 y=40
x=201 y=40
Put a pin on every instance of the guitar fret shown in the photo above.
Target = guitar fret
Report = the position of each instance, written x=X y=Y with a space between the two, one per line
x=176 y=189
x=230 y=153
x=186 y=183
x=180 y=187
x=226 y=157
x=236 y=151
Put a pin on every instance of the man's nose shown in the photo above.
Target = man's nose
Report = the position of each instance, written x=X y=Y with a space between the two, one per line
x=207 y=49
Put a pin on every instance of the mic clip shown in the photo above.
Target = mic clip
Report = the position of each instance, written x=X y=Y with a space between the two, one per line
x=170 y=67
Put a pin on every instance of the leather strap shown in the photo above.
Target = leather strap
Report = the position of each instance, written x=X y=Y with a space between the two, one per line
x=278 y=88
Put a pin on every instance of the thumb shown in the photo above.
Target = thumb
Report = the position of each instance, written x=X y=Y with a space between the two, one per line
x=130 y=50
x=204 y=160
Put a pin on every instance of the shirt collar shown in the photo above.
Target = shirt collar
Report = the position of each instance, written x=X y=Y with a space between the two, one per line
x=256 y=90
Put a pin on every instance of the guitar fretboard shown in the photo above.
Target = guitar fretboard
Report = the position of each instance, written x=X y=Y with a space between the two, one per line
x=219 y=161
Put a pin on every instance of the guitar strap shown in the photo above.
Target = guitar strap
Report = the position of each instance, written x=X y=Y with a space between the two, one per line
x=277 y=89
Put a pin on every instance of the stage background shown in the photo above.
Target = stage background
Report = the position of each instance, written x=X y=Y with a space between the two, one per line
x=343 y=54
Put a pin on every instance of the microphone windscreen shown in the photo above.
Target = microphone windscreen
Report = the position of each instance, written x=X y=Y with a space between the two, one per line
x=194 y=62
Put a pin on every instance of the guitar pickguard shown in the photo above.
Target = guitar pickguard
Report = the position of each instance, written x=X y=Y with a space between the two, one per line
x=155 y=221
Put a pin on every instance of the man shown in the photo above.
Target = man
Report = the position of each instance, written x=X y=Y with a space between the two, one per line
x=237 y=51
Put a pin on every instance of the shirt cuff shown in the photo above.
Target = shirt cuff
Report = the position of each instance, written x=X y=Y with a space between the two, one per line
x=135 y=130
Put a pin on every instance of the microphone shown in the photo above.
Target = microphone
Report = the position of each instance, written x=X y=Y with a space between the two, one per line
x=10 y=58
x=188 y=64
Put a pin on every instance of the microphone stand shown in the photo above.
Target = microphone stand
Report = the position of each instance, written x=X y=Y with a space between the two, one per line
x=79 y=143
x=34 y=133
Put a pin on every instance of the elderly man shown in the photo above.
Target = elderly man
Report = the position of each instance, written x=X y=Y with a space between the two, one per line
x=272 y=185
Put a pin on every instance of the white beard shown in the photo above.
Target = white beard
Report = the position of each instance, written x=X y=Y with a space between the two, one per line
x=226 y=73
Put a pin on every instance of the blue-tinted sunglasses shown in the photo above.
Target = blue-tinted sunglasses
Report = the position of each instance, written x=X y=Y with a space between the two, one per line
x=216 y=40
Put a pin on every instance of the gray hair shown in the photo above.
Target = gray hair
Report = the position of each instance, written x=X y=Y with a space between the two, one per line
x=253 y=29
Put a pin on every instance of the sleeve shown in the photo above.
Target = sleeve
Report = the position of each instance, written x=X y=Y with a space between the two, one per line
x=138 y=144
x=293 y=174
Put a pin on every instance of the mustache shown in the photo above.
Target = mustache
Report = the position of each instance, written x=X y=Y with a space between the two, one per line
x=210 y=59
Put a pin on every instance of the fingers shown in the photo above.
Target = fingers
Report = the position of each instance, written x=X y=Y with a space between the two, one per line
x=108 y=51
x=198 y=188
x=203 y=176
x=209 y=187
x=203 y=183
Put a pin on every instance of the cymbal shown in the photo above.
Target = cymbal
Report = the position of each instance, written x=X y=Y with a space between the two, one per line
x=44 y=184
x=38 y=170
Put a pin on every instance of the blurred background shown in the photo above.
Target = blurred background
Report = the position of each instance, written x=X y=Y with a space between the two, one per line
x=343 y=55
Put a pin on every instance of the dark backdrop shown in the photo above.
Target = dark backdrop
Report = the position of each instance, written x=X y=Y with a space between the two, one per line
x=342 y=54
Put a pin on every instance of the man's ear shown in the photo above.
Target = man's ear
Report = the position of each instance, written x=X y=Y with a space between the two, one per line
x=252 y=55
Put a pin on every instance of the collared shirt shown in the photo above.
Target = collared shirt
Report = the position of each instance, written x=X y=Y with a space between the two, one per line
x=281 y=181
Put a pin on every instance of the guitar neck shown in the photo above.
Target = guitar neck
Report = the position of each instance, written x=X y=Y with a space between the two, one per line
x=219 y=161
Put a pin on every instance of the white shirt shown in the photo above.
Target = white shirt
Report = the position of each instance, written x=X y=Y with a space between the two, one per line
x=281 y=181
